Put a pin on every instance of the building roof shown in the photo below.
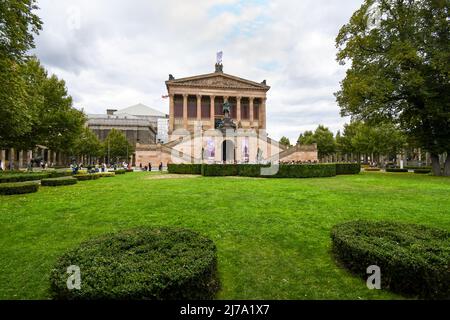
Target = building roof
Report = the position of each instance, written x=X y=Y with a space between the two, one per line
x=140 y=110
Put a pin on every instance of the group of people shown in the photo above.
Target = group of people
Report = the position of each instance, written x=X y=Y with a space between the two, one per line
x=149 y=167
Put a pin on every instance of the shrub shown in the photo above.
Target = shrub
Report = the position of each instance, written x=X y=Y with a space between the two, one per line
x=348 y=168
x=414 y=260
x=19 y=187
x=306 y=171
x=396 y=170
x=105 y=174
x=372 y=169
x=250 y=170
x=22 y=177
x=142 y=263
x=215 y=170
x=62 y=181
x=185 y=168
x=120 y=171
x=59 y=174
x=84 y=177
x=417 y=167
x=422 y=171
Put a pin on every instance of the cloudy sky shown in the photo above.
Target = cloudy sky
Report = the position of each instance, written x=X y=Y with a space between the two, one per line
x=115 y=53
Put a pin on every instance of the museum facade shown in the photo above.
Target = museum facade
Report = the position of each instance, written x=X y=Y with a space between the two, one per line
x=219 y=118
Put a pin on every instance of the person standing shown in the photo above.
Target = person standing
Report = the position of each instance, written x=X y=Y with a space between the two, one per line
x=150 y=166
x=161 y=167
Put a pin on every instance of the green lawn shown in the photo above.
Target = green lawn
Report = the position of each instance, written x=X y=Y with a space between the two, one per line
x=273 y=235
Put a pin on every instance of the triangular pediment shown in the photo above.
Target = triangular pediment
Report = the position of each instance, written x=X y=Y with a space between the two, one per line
x=218 y=80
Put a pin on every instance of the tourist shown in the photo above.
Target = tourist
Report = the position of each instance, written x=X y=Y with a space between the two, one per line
x=150 y=166
x=161 y=166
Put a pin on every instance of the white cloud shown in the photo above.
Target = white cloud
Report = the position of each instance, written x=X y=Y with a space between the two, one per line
x=117 y=53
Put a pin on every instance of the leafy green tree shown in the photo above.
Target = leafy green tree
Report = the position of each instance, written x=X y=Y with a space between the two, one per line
x=324 y=139
x=18 y=25
x=400 y=69
x=54 y=122
x=285 y=142
x=306 y=138
x=116 y=146
x=87 y=144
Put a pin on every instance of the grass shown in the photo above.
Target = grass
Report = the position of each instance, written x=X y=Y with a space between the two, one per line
x=273 y=235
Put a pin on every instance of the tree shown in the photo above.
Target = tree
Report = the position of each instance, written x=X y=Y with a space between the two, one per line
x=306 y=138
x=18 y=25
x=399 y=70
x=87 y=145
x=53 y=121
x=116 y=146
x=285 y=142
x=324 y=139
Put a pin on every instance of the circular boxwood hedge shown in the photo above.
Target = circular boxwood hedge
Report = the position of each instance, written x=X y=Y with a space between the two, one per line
x=54 y=182
x=396 y=170
x=141 y=263
x=422 y=171
x=19 y=187
x=414 y=260
x=85 y=177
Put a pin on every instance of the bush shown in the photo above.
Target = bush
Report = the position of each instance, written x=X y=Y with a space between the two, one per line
x=59 y=174
x=22 y=177
x=306 y=171
x=422 y=171
x=348 y=168
x=396 y=170
x=142 y=263
x=19 y=187
x=372 y=169
x=84 y=177
x=185 y=168
x=414 y=260
x=62 y=181
x=215 y=170
x=120 y=171
x=417 y=167
x=250 y=170
x=105 y=174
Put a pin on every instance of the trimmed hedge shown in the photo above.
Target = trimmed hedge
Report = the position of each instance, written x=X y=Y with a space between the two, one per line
x=62 y=181
x=306 y=171
x=219 y=170
x=396 y=170
x=414 y=260
x=422 y=171
x=417 y=167
x=141 y=263
x=372 y=169
x=250 y=170
x=59 y=174
x=22 y=177
x=119 y=171
x=105 y=174
x=85 y=177
x=19 y=187
x=184 y=168
x=348 y=168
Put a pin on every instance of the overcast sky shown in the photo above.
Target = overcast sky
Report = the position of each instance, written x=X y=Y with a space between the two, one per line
x=114 y=54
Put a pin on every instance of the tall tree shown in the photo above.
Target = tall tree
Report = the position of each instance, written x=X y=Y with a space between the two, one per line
x=399 y=52
x=18 y=25
x=87 y=144
x=306 y=138
x=116 y=146
x=285 y=141
x=324 y=139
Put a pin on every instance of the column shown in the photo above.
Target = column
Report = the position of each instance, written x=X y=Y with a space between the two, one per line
x=251 y=110
x=171 y=113
x=2 y=159
x=20 y=159
x=262 y=114
x=11 y=158
x=212 y=111
x=185 y=113
x=238 y=107
x=199 y=107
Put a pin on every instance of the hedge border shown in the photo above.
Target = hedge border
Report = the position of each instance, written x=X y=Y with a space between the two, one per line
x=413 y=259
x=163 y=263
x=61 y=181
x=19 y=188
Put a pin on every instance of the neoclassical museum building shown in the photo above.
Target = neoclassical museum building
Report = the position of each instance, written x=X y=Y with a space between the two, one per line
x=219 y=118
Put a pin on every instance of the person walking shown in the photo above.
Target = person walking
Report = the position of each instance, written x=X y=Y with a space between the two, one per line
x=161 y=167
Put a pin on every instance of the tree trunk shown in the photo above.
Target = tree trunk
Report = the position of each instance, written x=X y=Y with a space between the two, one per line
x=435 y=164
x=447 y=166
